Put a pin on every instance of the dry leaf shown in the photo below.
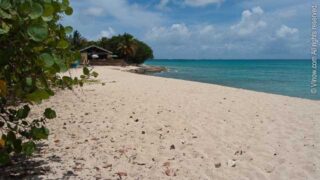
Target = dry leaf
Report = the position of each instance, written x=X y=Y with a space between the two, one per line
x=166 y=164
x=167 y=172
x=3 y=88
x=2 y=143
x=120 y=174
x=108 y=166
x=170 y=172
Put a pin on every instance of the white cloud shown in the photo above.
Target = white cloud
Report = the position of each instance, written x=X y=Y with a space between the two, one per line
x=163 y=4
x=207 y=29
x=180 y=28
x=94 y=11
x=257 y=10
x=287 y=13
x=108 y=33
x=125 y=13
x=185 y=41
x=202 y=2
x=251 y=20
x=176 y=34
x=256 y=29
x=181 y=33
x=194 y=3
x=286 y=31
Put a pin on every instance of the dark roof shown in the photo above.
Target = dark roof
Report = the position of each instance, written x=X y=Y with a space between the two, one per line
x=94 y=46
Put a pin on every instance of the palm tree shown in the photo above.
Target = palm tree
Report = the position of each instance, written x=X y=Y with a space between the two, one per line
x=127 y=47
x=77 y=40
x=103 y=42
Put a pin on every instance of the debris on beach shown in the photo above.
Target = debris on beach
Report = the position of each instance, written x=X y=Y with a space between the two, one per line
x=239 y=152
x=172 y=147
x=217 y=165
x=121 y=174
x=170 y=172
x=231 y=163
x=107 y=166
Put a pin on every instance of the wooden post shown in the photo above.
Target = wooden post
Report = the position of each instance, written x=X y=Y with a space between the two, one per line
x=84 y=58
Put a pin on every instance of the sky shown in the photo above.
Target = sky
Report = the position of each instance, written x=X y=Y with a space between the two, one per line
x=202 y=29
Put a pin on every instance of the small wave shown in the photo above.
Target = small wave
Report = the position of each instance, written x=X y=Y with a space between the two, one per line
x=172 y=70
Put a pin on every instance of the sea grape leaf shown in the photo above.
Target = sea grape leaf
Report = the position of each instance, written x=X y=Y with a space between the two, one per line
x=63 y=44
x=4 y=28
x=17 y=145
x=68 y=80
x=47 y=18
x=5 y=15
x=86 y=71
x=38 y=96
x=4 y=158
x=39 y=133
x=47 y=59
x=25 y=8
x=64 y=5
x=95 y=74
x=66 y=2
x=61 y=64
x=36 y=11
x=11 y=137
x=5 y=4
x=68 y=29
x=38 y=31
x=69 y=11
x=28 y=147
x=48 y=10
x=23 y=113
x=49 y=113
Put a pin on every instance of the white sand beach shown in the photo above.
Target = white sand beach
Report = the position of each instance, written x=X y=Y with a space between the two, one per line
x=130 y=126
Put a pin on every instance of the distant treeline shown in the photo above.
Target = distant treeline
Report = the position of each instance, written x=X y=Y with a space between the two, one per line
x=125 y=46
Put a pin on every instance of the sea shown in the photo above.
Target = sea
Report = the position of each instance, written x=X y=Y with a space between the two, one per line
x=284 y=77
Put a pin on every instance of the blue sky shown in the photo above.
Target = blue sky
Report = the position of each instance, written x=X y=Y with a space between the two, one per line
x=202 y=29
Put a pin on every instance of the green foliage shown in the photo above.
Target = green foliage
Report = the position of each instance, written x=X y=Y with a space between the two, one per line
x=86 y=71
x=127 y=47
x=19 y=132
x=28 y=147
x=34 y=52
x=49 y=113
x=77 y=41
x=124 y=46
x=143 y=52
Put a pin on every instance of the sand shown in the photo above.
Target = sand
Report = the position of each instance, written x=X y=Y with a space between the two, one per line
x=130 y=126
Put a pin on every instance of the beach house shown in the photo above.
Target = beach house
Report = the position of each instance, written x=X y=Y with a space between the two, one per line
x=95 y=55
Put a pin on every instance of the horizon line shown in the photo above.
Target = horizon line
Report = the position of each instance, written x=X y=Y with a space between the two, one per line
x=273 y=59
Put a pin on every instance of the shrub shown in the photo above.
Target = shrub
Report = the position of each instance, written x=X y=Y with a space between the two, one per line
x=34 y=52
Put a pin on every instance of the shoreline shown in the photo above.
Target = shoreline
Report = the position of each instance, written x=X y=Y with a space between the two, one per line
x=131 y=69
x=271 y=77
x=132 y=126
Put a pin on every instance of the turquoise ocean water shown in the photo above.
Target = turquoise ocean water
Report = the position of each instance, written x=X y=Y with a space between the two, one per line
x=285 y=77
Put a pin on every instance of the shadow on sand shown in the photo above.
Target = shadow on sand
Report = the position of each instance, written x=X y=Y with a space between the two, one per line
x=22 y=167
